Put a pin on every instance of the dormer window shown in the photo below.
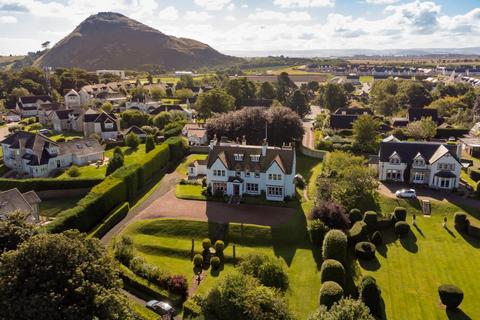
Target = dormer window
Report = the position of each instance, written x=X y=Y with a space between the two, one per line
x=394 y=158
x=238 y=156
x=255 y=157
x=419 y=162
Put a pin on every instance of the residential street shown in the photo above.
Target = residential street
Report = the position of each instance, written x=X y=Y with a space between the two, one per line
x=308 y=139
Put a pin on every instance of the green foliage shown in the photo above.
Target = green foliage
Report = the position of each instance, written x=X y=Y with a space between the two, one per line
x=82 y=279
x=332 y=270
x=332 y=96
x=14 y=230
x=335 y=246
x=134 y=118
x=206 y=244
x=298 y=102
x=41 y=184
x=400 y=214
x=73 y=171
x=474 y=174
x=151 y=273
x=365 y=133
x=198 y=260
x=132 y=140
x=358 y=232
x=214 y=101
x=219 y=246
x=355 y=215
x=269 y=271
x=191 y=310
x=266 y=91
x=115 y=163
x=371 y=219
x=365 y=250
x=450 y=295
x=402 y=229
x=111 y=220
x=345 y=309
x=107 y=107
x=123 y=250
x=413 y=93
x=317 y=231
x=215 y=263
x=149 y=144
x=423 y=129
x=377 y=238
x=36 y=127
x=161 y=120
x=330 y=292
x=370 y=294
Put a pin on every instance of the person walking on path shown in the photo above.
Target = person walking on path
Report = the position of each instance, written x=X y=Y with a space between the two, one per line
x=414 y=221
x=445 y=222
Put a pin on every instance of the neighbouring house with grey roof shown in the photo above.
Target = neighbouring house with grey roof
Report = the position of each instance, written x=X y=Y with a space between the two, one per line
x=136 y=130
x=28 y=106
x=236 y=169
x=36 y=155
x=196 y=134
x=13 y=200
x=433 y=164
x=106 y=125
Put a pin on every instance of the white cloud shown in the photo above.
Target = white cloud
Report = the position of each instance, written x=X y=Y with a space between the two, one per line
x=244 y=6
x=170 y=13
x=231 y=7
x=212 y=4
x=420 y=16
x=7 y=19
x=197 y=16
x=304 y=3
x=381 y=1
x=230 y=18
x=264 y=15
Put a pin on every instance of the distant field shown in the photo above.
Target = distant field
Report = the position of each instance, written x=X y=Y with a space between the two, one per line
x=306 y=77
x=9 y=59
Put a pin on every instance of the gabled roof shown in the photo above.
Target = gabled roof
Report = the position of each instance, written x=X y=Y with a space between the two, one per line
x=13 y=200
x=416 y=114
x=136 y=130
x=34 y=99
x=407 y=151
x=81 y=147
x=339 y=121
x=353 y=111
x=62 y=114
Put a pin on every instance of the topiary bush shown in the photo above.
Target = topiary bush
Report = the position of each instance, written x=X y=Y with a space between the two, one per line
x=357 y=233
x=365 y=250
x=272 y=274
x=219 y=246
x=370 y=218
x=376 y=238
x=335 y=246
x=316 y=231
x=460 y=219
x=332 y=270
x=206 y=244
x=370 y=294
x=402 y=229
x=355 y=215
x=450 y=295
x=330 y=292
x=332 y=214
x=198 y=260
x=400 y=214
x=215 y=263
x=178 y=285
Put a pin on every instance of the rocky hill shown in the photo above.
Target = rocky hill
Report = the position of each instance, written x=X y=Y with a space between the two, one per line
x=110 y=40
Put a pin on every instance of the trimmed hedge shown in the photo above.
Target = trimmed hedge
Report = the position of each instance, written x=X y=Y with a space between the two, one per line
x=191 y=309
x=402 y=228
x=445 y=133
x=450 y=295
x=473 y=229
x=357 y=233
x=215 y=263
x=42 y=184
x=335 y=246
x=117 y=214
x=355 y=215
x=376 y=238
x=316 y=231
x=198 y=260
x=123 y=185
x=461 y=222
x=370 y=218
x=400 y=214
x=332 y=270
x=370 y=293
x=474 y=174
x=365 y=250
x=330 y=292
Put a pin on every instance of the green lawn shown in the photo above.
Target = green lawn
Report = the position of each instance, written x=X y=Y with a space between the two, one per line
x=182 y=169
x=67 y=135
x=91 y=171
x=142 y=311
x=190 y=192
x=52 y=207
x=364 y=79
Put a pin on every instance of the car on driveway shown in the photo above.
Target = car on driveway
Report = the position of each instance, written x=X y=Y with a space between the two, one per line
x=160 y=307
x=406 y=193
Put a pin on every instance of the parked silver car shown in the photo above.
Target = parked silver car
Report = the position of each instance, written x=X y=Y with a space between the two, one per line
x=160 y=307
x=406 y=193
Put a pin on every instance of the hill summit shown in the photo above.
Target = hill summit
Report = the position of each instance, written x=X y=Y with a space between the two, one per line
x=111 y=40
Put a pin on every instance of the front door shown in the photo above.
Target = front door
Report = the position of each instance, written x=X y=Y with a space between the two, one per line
x=236 y=189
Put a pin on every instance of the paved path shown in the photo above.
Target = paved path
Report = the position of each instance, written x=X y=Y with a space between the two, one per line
x=308 y=139
x=169 y=206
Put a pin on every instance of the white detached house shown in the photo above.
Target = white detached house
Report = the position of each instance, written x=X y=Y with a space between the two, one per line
x=237 y=169
x=433 y=164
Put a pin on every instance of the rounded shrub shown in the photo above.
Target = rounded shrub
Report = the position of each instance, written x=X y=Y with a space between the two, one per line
x=206 y=244
x=400 y=214
x=460 y=219
x=358 y=232
x=370 y=293
x=316 y=231
x=215 y=263
x=335 y=246
x=450 y=295
x=272 y=274
x=332 y=270
x=198 y=260
x=370 y=218
x=219 y=246
x=355 y=215
x=402 y=228
x=365 y=250
x=377 y=238
x=330 y=292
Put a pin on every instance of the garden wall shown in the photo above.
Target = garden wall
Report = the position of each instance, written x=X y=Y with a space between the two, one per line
x=317 y=154
x=199 y=149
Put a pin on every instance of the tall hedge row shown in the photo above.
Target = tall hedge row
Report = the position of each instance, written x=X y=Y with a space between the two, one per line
x=41 y=184
x=122 y=186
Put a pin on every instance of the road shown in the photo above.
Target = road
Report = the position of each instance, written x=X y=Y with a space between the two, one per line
x=4 y=130
x=308 y=138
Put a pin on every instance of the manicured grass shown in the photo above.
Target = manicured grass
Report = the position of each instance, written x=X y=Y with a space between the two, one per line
x=67 y=135
x=142 y=311
x=182 y=169
x=364 y=79
x=52 y=207
x=409 y=271
x=190 y=192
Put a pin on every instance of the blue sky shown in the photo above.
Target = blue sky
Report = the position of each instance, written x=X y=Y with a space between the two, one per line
x=247 y=25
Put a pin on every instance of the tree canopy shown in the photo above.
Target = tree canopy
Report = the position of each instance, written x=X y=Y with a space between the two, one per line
x=214 y=101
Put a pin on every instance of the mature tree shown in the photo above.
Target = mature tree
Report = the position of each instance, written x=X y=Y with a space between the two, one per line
x=381 y=87
x=332 y=214
x=134 y=118
x=157 y=93
x=186 y=81
x=184 y=93
x=476 y=109
x=107 y=107
x=413 y=94
x=386 y=104
x=132 y=140
x=32 y=86
x=110 y=77
x=284 y=126
x=448 y=106
x=240 y=89
x=313 y=86
x=298 y=103
x=285 y=86
x=114 y=163
x=60 y=276
x=332 y=96
x=266 y=91
x=365 y=133
x=18 y=93
x=214 y=101
x=424 y=129
x=45 y=44
x=149 y=143
x=161 y=120
x=348 y=87
x=15 y=229
x=345 y=309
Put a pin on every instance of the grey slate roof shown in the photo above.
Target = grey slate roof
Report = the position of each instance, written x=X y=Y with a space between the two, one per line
x=407 y=151
x=416 y=114
x=81 y=147
x=13 y=200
